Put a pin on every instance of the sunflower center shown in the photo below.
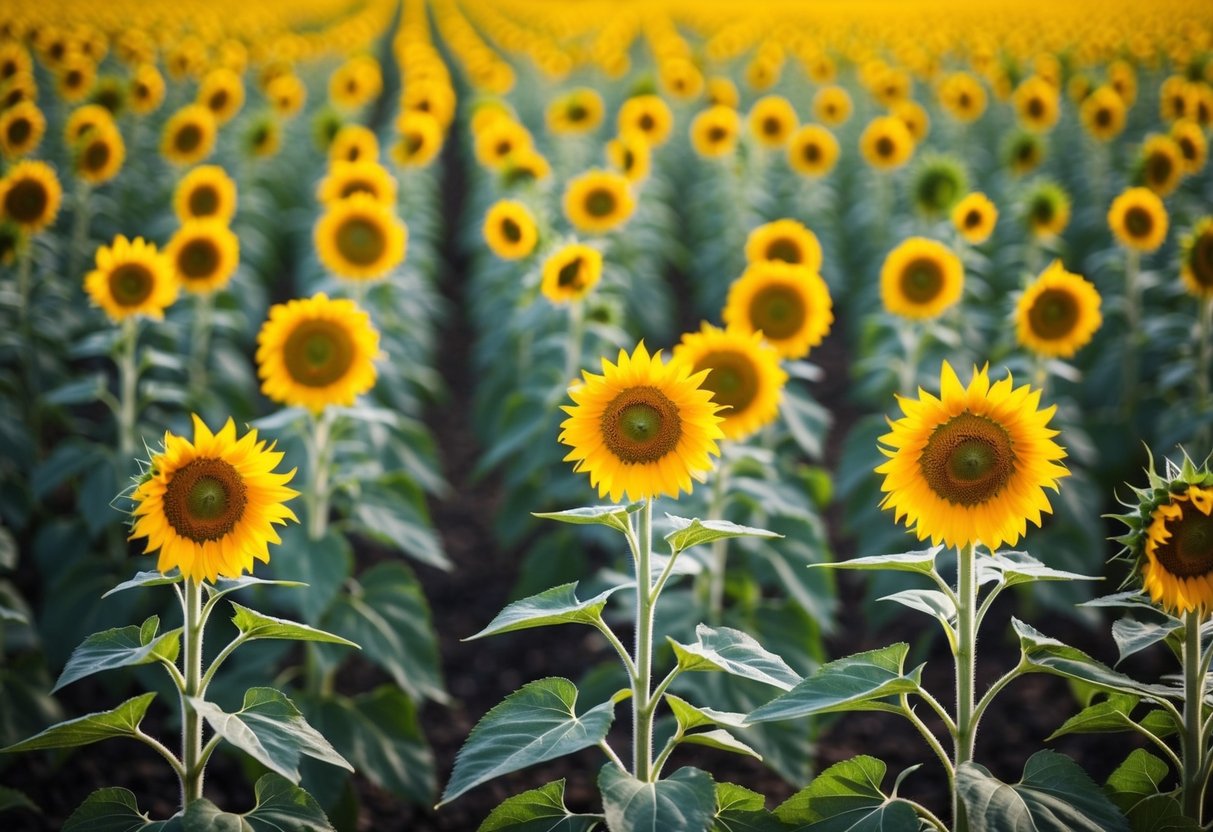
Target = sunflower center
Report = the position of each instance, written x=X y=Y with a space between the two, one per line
x=26 y=201
x=771 y=126
x=142 y=91
x=641 y=425
x=188 y=138
x=964 y=101
x=1036 y=108
x=600 y=203
x=198 y=259
x=629 y=160
x=511 y=230
x=260 y=136
x=318 y=353
x=1054 y=314
x=1187 y=147
x=218 y=100
x=717 y=135
x=205 y=500
x=779 y=311
x=646 y=122
x=577 y=113
x=412 y=143
x=1103 y=117
x=884 y=146
x=972 y=218
x=96 y=156
x=358 y=186
x=1160 y=168
x=19 y=131
x=569 y=276
x=1189 y=551
x=733 y=379
x=361 y=241
x=784 y=249
x=968 y=459
x=1201 y=261
x=203 y=201
x=74 y=78
x=922 y=280
x=811 y=153
x=1042 y=211
x=504 y=148
x=131 y=284
x=1138 y=221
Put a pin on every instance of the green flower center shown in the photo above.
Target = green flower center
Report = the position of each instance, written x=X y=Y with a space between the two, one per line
x=779 y=311
x=968 y=459
x=318 y=353
x=131 y=284
x=641 y=425
x=922 y=280
x=360 y=241
x=198 y=259
x=600 y=203
x=1053 y=314
x=205 y=500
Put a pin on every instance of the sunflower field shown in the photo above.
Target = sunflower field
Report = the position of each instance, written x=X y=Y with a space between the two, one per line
x=761 y=361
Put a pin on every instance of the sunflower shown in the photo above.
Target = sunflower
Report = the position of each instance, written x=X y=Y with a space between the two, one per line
x=353 y=143
x=1196 y=259
x=1024 y=152
x=75 y=77
x=648 y=114
x=714 y=131
x=360 y=238
x=1138 y=219
x=1037 y=104
x=971 y=466
x=772 y=120
x=785 y=240
x=286 y=94
x=1160 y=164
x=83 y=119
x=974 y=218
x=723 y=91
x=832 y=106
x=914 y=116
x=510 y=229
x=681 y=78
x=21 y=87
x=1189 y=137
x=812 y=151
x=209 y=506
x=14 y=59
x=499 y=141
x=355 y=82
x=317 y=352
x=189 y=135
x=1058 y=314
x=420 y=139
x=221 y=92
x=204 y=255
x=570 y=273
x=938 y=184
x=109 y=92
x=920 y=279
x=577 y=111
x=744 y=375
x=1174 y=98
x=1103 y=114
x=1047 y=209
x=963 y=97
x=131 y=278
x=263 y=136
x=643 y=428
x=147 y=89
x=598 y=201
x=886 y=143
x=206 y=192
x=348 y=178
x=30 y=195
x=524 y=167
x=631 y=155
x=789 y=304
x=21 y=129
x=100 y=154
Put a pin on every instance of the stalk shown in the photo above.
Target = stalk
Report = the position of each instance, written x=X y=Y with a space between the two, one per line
x=572 y=355
x=191 y=723
x=204 y=306
x=1204 y=366
x=642 y=682
x=25 y=256
x=1133 y=320
x=966 y=654
x=911 y=344
x=720 y=549
x=1193 y=745
x=79 y=230
x=128 y=387
x=318 y=488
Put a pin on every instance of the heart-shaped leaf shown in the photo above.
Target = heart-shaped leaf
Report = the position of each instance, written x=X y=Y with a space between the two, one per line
x=614 y=517
x=115 y=810
x=254 y=625
x=847 y=797
x=558 y=605
x=281 y=806
x=686 y=801
x=696 y=532
x=732 y=651
x=120 y=647
x=122 y=721
x=539 y=810
x=1113 y=714
x=1052 y=656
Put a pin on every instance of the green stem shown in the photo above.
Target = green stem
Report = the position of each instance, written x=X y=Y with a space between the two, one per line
x=914 y=719
x=218 y=661
x=1194 y=697
x=1204 y=367
x=128 y=387
x=994 y=690
x=160 y=749
x=78 y=250
x=572 y=355
x=191 y=722
x=720 y=548
x=927 y=815
x=204 y=306
x=1133 y=322
x=966 y=654
x=911 y=343
x=642 y=703
x=317 y=498
x=25 y=289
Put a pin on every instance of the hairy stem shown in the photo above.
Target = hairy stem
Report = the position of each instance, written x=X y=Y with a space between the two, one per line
x=720 y=549
x=191 y=722
x=966 y=654
x=200 y=339
x=128 y=387
x=642 y=703
x=1194 y=696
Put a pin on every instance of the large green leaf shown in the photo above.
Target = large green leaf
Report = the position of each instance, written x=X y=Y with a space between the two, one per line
x=121 y=647
x=152 y=577
x=847 y=797
x=1052 y=656
x=1055 y=795
x=115 y=810
x=122 y=721
x=281 y=807
x=1112 y=714
x=690 y=716
x=1132 y=636
x=1014 y=568
x=271 y=730
x=922 y=562
x=740 y=810
x=539 y=810
x=853 y=683
x=387 y=614
x=688 y=533
x=613 y=517
x=732 y=651
x=721 y=740
x=686 y=801
x=558 y=605
x=1136 y=787
x=537 y=722
x=255 y=625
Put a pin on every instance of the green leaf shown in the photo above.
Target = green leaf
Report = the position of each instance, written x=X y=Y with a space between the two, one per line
x=1113 y=714
x=740 y=810
x=922 y=562
x=12 y=799
x=538 y=810
x=688 y=533
x=1139 y=777
x=281 y=805
x=930 y=601
x=1020 y=568
x=1055 y=795
x=558 y=605
x=690 y=717
x=1131 y=599
x=614 y=517
x=848 y=684
x=122 y=721
x=686 y=801
x=152 y=577
x=254 y=625
x=115 y=810
x=847 y=797
x=1133 y=636
x=734 y=652
x=535 y=723
x=226 y=586
x=1161 y=813
x=120 y=647
x=271 y=730
x=721 y=740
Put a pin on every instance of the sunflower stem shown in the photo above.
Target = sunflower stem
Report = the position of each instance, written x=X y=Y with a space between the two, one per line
x=79 y=230
x=318 y=477
x=966 y=654
x=1194 y=697
x=1133 y=323
x=191 y=722
x=128 y=387
x=720 y=548
x=204 y=306
x=642 y=702
x=1204 y=367
x=572 y=354
x=25 y=258
x=911 y=345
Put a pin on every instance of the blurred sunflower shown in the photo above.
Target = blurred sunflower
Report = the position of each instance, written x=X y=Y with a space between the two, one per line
x=1058 y=314
x=99 y=155
x=920 y=279
x=1160 y=164
x=286 y=94
x=510 y=230
x=577 y=111
x=938 y=184
x=832 y=106
x=147 y=89
x=359 y=238
x=1024 y=152
x=570 y=273
x=772 y=120
x=1103 y=114
x=963 y=97
x=316 y=353
x=789 y=304
x=974 y=218
x=83 y=119
x=1047 y=209
x=420 y=139
x=345 y=179
x=263 y=136
x=21 y=129
x=206 y=192
x=630 y=154
x=353 y=143
x=1037 y=104
x=722 y=90
x=1138 y=219
x=30 y=195
x=598 y=201
x=643 y=428
x=204 y=255
x=189 y=135
x=681 y=78
x=1196 y=259
x=886 y=143
x=75 y=77
x=131 y=278
x=714 y=131
x=914 y=116
x=524 y=167
x=1193 y=146
x=971 y=466
x=785 y=240
x=812 y=151
x=210 y=506
x=499 y=141
x=744 y=376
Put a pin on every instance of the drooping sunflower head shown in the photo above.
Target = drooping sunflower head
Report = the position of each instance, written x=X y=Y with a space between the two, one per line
x=510 y=229
x=787 y=241
x=205 y=193
x=210 y=506
x=921 y=279
x=1038 y=104
x=30 y=195
x=420 y=139
x=974 y=218
x=316 y=353
x=353 y=143
x=971 y=466
x=1046 y=209
x=1058 y=313
x=131 y=278
x=832 y=106
x=525 y=167
x=812 y=151
x=886 y=143
x=598 y=201
x=110 y=92
x=99 y=154
x=649 y=114
x=1138 y=219
x=221 y=92
x=570 y=273
x=743 y=374
x=21 y=129
x=772 y=120
x=1160 y=164
x=963 y=96
x=1196 y=259
x=359 y=238
x=147 y=89
x=938 y=184
x=789 y=304
x=204 y=255
x=714 y=131
x=1024 y=151
x=643 y=428
x=576 y=112
x=1103 y=114
x=630 y=154
x=1190 y=138
x=1170 y=536
x=189 y=135
x=348 y=178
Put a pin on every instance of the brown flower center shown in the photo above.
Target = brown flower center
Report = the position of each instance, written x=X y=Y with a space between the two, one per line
x=811 y=153
x=785 y=249
x=968 y=459
x=203 y=201
x=318 y=353
x=26 y=201
x=1036 y=108
x=569 y=275
x=1138 y=222
x=19 y=131
x=641 y=425
x=646 y=122
x=218 y=101
x=205 y=500
x=511 y=230
x=600 y=203
x=772 y=126
x=733 y=379
x=1159 y=168
x=96 y=156
x=359 y=186
x=1053 y=314
x=1188 y=552
x=188 y=138
x=717 y=134
x=131 y=284
x=972 y=218
x=922 y=280
x=198 y=259
x=1200 y=262
x=885 y=147
x=778 y=310
x=360 y=241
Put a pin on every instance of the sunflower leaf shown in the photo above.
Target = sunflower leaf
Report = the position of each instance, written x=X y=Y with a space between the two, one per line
x=696 y=532
x=1138 y=778
x=558 y=605
x=539 y=810
x=122 y=721
x=721 y=740
x=615 y=517
x=734 y=652
x=115 y=810
x=1021 y=568
x=152 y=577
x=740 y=810
x=1133 y=636
x=847 y=797
x=1113 y=714
x=280 y=805
x=922 y=562
x=254 y=625
x=120 y=647
x=686 y=800
x=690 y=717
